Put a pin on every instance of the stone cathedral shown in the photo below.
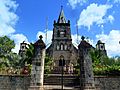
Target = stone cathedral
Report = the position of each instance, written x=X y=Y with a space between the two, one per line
x=62 y=47
x=62 y=50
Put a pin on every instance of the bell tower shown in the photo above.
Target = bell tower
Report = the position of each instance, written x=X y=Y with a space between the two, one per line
x=62 y=43
x=100 y=46
x=23 y=47
x=61 y=28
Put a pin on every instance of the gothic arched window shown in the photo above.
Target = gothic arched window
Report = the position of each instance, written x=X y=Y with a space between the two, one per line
x=58 y=47
x=61 y=61
x=65 y=46
x=61 y=46
x=58 y=33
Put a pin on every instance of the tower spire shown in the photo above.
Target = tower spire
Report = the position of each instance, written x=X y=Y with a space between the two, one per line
x=61 y=18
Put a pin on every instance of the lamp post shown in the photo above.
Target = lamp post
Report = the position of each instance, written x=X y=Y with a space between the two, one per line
x=62 y=63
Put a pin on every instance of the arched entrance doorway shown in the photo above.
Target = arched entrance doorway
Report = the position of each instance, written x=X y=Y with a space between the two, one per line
x=61 y=61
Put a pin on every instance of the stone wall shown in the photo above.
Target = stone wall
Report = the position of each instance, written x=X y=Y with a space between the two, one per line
x=21 y=82
x=108 y=83
x=14 y=82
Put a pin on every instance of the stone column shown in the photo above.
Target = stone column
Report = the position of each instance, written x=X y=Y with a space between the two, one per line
x=37 y=73
x=86 y=72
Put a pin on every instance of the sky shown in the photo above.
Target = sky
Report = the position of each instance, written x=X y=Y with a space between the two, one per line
x=25 y=20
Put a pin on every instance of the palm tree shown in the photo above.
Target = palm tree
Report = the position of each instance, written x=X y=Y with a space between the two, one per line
x=29 y=53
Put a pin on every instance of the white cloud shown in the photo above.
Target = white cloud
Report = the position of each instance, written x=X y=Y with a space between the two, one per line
x=113 y=2
x=75 y=40
x=74 y=3
x=111 y=42
x=116 y=1
x=8 y=20
x=49 y=36
x=18 y=38
x=94 y=14
x=110 y=18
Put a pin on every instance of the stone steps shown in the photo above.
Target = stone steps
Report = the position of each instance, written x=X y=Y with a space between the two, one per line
x=70 y=82
x=56 y=79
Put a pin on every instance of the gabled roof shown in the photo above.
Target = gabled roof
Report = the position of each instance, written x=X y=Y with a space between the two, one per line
x=61 y=18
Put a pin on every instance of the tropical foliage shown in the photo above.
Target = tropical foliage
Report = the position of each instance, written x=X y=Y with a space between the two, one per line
x=77 y=68
x=103 y=65
x=29 y=53
x=8 y=59
x=6 y=45
x=48 y=64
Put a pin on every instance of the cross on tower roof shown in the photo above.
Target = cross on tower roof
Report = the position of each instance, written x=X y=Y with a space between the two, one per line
x=40 y=37
x=83 y=38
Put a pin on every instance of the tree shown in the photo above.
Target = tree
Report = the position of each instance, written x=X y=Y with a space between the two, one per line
x=8 y=59
x=6 y=45
x=103 y=65
x=95 y=57
x=29 y=53
x=48 y=64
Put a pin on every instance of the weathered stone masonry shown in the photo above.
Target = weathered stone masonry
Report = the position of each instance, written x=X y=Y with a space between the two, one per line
x=37 y=73
x=14 y=82
x=86 y=71
x=20 y=82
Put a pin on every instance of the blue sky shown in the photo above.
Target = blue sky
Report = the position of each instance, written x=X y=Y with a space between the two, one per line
x=96 y=19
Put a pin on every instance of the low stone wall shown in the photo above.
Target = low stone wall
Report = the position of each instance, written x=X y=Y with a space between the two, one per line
x=108 y=83
x=14 y=82
x=21 y=82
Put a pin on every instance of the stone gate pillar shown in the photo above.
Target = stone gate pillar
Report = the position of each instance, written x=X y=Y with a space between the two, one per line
x=37 y=73
x=86 y=72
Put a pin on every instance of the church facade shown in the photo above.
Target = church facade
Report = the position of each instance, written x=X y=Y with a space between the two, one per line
x=62 y=50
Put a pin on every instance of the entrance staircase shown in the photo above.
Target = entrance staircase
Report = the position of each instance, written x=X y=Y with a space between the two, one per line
x=54 y=81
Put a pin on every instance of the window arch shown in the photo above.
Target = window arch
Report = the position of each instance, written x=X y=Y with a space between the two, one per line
x=65 y=47
x=58 y=47
x=61 y=61
x=58 y=33
x=62 y=47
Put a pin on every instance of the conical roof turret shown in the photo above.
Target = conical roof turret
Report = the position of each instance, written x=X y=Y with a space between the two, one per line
x=61 y=18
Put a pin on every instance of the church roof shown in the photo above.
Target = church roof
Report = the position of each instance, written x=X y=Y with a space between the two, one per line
x=61 y=18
